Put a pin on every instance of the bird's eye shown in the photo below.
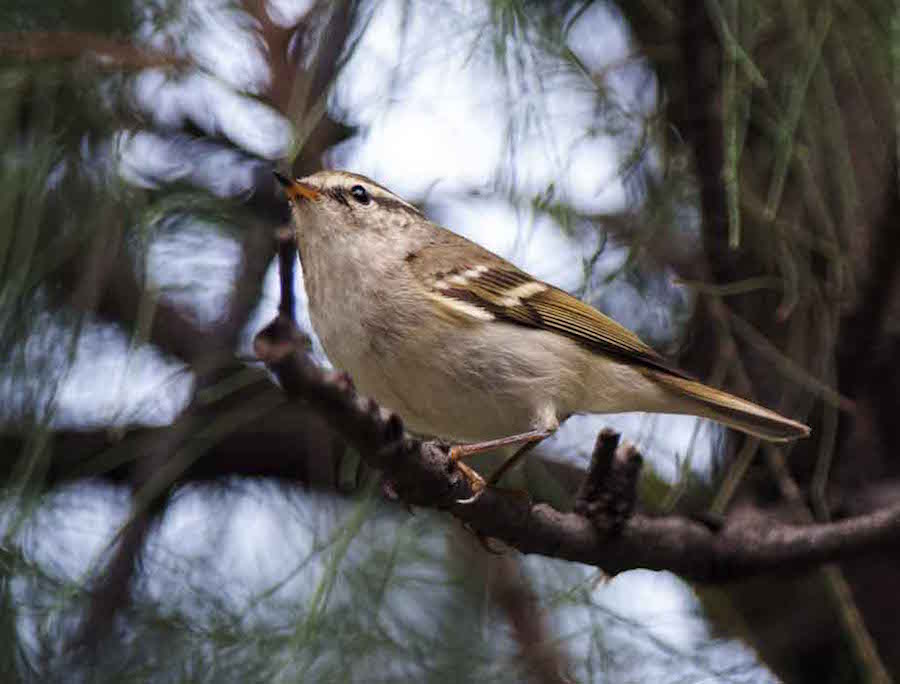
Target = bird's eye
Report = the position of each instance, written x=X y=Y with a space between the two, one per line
x=359 y=194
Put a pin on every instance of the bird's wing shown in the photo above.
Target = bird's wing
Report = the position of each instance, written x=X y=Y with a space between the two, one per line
x=483 y=286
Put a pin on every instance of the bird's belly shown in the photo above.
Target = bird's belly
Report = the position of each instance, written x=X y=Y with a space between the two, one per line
x=435 y=398
x=457 y=384
x=433 y=401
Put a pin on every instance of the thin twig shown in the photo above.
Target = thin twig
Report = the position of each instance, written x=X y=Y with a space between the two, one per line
x=67 y=45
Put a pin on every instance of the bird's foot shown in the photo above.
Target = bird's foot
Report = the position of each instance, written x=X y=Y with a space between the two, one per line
x=526 y=442
x=476 y=482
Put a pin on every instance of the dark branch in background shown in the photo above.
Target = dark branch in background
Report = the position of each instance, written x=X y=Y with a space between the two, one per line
x=111 y=588
x=71 y=45
x=289 y=444
x=424 y=475
x=287 y=301
x=540 y=653
x=866 y=352
x=256 y=254
x=538 y=649
x=296 y=93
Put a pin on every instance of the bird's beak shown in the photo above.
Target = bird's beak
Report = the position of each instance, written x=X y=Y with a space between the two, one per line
x=296 y=190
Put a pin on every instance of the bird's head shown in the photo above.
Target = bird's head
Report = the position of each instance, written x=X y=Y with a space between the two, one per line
x=331 y=203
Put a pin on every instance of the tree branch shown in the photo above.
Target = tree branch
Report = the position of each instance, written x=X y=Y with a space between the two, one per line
x=542 y=657
x=288 y=443
x=66 y=45
x=425 y=475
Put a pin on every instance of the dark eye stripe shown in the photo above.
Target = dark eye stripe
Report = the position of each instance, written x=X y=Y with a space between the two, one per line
x=338 y=194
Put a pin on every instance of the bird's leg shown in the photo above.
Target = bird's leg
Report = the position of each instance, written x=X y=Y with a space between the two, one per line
x=461 y=451
x=507 y=465
x=527 y=440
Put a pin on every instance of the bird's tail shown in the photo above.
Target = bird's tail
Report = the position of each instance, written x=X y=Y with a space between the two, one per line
x=734 y=412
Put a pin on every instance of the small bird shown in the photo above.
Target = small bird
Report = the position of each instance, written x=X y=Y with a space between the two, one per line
x=464 y=345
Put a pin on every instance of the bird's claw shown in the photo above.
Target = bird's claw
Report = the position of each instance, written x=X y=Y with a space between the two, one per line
x=472 y=499
x=476 y=482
